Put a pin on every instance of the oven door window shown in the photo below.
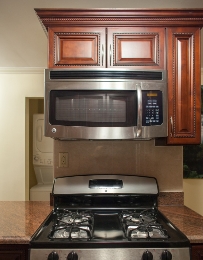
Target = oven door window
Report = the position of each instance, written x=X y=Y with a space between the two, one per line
x=93 y=108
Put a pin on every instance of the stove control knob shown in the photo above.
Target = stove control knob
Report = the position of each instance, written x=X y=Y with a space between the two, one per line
x=53 y=256
x=147 y=255
x=72 y=256
x=166 y=255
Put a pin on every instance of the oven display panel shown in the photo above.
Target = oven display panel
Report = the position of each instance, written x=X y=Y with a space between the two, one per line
x=105 y=183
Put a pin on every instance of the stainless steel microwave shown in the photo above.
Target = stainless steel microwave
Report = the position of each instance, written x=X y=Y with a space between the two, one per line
x=105 y=104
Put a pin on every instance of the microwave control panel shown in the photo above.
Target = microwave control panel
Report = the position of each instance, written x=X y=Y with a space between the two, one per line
x=152 y=107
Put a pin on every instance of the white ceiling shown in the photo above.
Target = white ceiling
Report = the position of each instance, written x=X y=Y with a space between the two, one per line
x=23 y=42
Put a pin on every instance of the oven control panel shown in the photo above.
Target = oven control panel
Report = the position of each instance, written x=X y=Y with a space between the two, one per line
x=111 y=253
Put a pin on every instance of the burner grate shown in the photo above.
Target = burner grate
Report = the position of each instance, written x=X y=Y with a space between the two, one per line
x=142 y=225
x=72 y=225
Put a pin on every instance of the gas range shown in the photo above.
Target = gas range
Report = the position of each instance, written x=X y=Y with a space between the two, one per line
x=107 y=217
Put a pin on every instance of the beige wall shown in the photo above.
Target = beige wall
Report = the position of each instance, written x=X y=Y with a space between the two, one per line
x=16 y=87
x=193 y=194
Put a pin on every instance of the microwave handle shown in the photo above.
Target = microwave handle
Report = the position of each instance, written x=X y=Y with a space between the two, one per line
x=110 y=54
x=139 y=110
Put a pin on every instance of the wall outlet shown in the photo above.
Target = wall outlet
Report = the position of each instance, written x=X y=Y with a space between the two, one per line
x=63 y=160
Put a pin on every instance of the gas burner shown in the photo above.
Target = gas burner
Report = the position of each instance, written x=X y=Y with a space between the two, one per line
x=148 y=215
x=131 y=216
x=75 y=217
x=144 y=231
x=144 y=216
x=134 y=219
x=72 y=232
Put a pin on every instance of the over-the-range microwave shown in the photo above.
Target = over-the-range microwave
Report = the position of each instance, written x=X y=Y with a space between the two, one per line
x=105 y=104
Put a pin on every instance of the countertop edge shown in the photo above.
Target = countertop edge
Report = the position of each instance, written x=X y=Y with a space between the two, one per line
x=17 y=240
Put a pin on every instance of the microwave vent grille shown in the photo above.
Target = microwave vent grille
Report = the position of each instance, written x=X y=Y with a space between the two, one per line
x=89 y=74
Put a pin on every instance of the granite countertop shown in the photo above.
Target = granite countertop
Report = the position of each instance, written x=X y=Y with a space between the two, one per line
x=19 y=220
x=186 y=220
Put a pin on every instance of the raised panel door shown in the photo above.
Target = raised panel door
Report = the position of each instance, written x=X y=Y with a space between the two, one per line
x=197 y=252
x=11 y=256
x=184 y=88
x=136 y=47
x=76 y=47
x=14 y=252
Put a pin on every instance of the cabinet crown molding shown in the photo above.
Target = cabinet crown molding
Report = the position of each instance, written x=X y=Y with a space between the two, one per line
x=113 y=17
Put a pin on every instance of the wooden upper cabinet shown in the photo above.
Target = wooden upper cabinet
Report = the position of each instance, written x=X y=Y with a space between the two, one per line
x=76 y=47
x=184 y=90
x=136 y=47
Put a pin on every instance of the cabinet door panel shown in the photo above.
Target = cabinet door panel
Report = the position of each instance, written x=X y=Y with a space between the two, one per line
x=11 y=256
x=14 y=252
x=141 y=48
x=76 y=47
x=184 y=85
x=197 y=252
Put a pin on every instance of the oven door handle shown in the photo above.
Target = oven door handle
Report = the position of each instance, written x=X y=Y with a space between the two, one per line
x=139 y=110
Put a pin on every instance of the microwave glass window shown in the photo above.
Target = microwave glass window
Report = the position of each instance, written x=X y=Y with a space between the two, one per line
x=93 y=108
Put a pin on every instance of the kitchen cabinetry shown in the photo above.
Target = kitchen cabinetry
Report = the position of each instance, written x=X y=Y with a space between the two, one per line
x=126 y=47
x=197 y=252
x=136 y=39
x=183 y=65
x=14 y=252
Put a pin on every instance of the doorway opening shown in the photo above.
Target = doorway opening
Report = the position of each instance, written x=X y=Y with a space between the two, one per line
x=33 y=106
